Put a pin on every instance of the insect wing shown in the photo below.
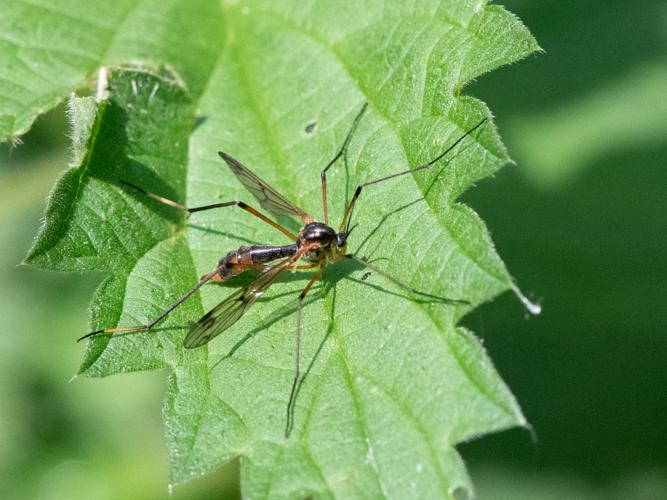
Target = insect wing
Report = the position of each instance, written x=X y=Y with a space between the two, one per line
x=268 y=197
x=228 y=312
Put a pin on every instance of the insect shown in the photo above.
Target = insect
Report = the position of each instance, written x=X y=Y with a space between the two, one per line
x=317 y=244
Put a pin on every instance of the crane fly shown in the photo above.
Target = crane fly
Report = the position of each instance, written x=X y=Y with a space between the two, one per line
x=317 y=244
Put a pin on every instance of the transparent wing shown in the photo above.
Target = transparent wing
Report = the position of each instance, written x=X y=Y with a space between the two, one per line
x=268 y=197
x=228 y=312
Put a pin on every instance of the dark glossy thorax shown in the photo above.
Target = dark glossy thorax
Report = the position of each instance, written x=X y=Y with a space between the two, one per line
x=318 y=239
x=318 y=232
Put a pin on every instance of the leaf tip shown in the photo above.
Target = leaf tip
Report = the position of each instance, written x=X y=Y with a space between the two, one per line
x=534 y=308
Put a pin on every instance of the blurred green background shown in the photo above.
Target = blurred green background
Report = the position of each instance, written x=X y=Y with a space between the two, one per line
x=581 y=222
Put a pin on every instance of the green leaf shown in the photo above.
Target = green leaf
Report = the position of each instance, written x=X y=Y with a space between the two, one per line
x=392 y=384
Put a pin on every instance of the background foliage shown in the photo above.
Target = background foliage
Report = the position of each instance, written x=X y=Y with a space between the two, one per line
x=591 y=246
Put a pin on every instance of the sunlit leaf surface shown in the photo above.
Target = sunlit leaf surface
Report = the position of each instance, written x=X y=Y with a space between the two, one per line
x=392 y=384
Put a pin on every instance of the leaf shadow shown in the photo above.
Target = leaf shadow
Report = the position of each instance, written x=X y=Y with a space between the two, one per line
x=276 y=316
x=334 y=274
x=199 y=121
x=145 y=178
x=289 y=425
x=110 y=162
x=379 y=224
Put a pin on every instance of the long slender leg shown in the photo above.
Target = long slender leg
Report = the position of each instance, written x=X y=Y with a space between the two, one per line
x=139 y=328
x=357 y=192
x=202 y=208
x=263 y=267
x=297 y=353
x=304 y=266
x=212 y=276
x=341 y=152
x=402 y=285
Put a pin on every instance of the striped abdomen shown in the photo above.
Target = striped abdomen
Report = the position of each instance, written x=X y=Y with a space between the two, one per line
x=244 y=258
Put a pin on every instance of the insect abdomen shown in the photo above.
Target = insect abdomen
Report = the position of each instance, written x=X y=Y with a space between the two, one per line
x=244 y=258
x=261 y=254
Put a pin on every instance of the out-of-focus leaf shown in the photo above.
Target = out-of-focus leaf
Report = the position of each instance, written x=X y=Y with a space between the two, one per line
x=556 y=145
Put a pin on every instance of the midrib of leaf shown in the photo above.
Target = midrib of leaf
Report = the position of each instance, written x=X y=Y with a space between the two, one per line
x=349 y=378
x=279 y=159
x=121 y=22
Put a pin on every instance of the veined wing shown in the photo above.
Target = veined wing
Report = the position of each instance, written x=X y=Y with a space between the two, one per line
x=228 y=312
x=268 y=197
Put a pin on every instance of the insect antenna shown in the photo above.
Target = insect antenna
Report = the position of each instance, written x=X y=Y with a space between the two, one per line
x=426 y=165
x=191 y=210
x=357 y=192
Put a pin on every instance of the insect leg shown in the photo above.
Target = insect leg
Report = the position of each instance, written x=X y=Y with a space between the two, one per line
x=297 y=354
x=402 y=285
x=341 y=152
x=304 y=266
x=139 y=328
x=202 y=208
x=265 y=267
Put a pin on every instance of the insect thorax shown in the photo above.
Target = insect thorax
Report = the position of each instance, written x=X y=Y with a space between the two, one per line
x=319 y=237
x=315 y=255
x=317 y=232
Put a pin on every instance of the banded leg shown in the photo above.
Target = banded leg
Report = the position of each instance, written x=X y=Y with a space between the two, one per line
x=341 y=152
x=202 y=208
x=297 y=354
x=212 y=276
x=402 y=285
x=140 y=328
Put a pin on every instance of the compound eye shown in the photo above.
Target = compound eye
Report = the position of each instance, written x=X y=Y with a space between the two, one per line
x=341 y=238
